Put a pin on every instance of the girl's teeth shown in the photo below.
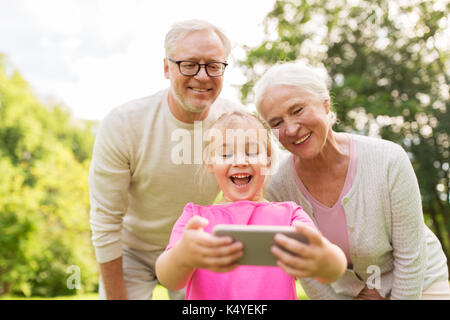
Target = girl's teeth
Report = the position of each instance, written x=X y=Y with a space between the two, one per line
x=241 y=180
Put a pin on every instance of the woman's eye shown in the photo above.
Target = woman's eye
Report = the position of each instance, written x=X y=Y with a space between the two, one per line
x=275 y=124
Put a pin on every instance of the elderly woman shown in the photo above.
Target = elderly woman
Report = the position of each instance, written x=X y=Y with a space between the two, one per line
x=361 y=192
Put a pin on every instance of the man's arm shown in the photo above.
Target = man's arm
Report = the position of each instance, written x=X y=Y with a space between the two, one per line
x=112 y=277
x=109 y=180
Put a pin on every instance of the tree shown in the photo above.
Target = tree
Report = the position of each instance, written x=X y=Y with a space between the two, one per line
x=389 y=65
x=44 y=201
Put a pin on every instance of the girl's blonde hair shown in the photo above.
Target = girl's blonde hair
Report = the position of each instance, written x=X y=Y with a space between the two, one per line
x=229 y=121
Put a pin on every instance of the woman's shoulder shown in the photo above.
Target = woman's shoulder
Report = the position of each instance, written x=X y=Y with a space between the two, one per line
x=380 y=155
x=375 y=146
x=373 y=141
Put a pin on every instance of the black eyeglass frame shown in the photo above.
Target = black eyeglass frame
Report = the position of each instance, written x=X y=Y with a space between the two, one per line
x=200 y=65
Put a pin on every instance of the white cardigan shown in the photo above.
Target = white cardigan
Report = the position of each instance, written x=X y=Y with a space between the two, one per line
x=385 y=225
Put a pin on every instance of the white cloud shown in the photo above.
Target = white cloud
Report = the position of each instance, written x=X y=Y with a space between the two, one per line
x=97 y=54
x=58 y=16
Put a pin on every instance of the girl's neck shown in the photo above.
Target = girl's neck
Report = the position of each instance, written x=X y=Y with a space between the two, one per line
x=225 y=200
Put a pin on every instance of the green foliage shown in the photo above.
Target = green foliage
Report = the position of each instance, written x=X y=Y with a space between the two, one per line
x=389 y=65
x=44 y=201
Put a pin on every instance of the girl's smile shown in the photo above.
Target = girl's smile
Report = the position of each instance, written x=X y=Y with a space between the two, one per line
x=241 y=180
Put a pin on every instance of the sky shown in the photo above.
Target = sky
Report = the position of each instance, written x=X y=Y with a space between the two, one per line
x=93 y=55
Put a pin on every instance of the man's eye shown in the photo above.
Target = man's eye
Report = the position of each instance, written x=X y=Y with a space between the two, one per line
x=214 y=66
x=227 y=155
x=297 y=110
x=189 y=65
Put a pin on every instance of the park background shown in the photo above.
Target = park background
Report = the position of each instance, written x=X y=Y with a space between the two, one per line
x=65 y=64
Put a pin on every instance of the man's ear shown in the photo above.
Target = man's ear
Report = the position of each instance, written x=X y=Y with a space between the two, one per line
x=166 y=69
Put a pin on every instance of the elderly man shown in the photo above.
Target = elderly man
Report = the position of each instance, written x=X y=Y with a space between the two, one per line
x=137 y=188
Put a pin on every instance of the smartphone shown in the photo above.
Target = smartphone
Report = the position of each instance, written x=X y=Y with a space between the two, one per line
x=257 y=241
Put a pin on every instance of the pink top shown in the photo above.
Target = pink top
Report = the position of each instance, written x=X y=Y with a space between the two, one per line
x=244 y=282
x=332 y=222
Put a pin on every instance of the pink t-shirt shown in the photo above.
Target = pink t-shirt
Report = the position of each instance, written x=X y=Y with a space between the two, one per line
x=332 y=222
x=244 y=282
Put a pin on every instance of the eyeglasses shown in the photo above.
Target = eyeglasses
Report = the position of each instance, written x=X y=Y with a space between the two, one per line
x=191 y=68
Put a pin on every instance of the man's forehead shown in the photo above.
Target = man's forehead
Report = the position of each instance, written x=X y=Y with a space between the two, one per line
x=194 y=44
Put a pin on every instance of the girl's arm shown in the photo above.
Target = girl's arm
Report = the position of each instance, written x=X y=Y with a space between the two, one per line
x=171 y=272
x=320 y=259
x=196 y=249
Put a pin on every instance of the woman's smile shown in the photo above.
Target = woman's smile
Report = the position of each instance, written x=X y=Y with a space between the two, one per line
x=303 y=139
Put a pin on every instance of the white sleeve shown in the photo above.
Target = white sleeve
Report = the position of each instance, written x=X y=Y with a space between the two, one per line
x=109 y=179
x=408 y=232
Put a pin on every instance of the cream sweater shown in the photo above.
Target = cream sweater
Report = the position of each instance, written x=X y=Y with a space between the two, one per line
x=138 y=187
x=385 y=225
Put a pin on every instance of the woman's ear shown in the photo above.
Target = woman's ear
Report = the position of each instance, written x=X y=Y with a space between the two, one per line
x=326 y=104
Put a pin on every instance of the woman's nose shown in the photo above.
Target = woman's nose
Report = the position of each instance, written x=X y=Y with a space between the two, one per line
x=292 y=127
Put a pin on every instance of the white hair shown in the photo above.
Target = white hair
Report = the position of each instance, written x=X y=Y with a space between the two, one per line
x=295 y=74
x=183 y=28
x=292 y=74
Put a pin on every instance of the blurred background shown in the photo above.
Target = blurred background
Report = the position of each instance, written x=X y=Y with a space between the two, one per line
x=65 y=64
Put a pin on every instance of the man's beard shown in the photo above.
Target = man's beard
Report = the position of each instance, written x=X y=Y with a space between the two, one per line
x=186 y=106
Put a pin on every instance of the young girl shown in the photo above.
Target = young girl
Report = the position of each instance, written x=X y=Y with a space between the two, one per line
x=238 y=153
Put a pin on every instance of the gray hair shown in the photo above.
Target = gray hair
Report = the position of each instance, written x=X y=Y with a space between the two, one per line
x=294 y=74
x=182 y=28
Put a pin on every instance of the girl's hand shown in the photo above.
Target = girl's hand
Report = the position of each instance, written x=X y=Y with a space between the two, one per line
x=199 y=249
x=320 y=259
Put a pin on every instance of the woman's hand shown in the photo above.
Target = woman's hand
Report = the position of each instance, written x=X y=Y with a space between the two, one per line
x=320 y=259
x=199 y=249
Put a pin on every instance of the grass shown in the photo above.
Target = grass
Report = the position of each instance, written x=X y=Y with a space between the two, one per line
x=160 y=293
x=301 y=295
x=85 y=296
